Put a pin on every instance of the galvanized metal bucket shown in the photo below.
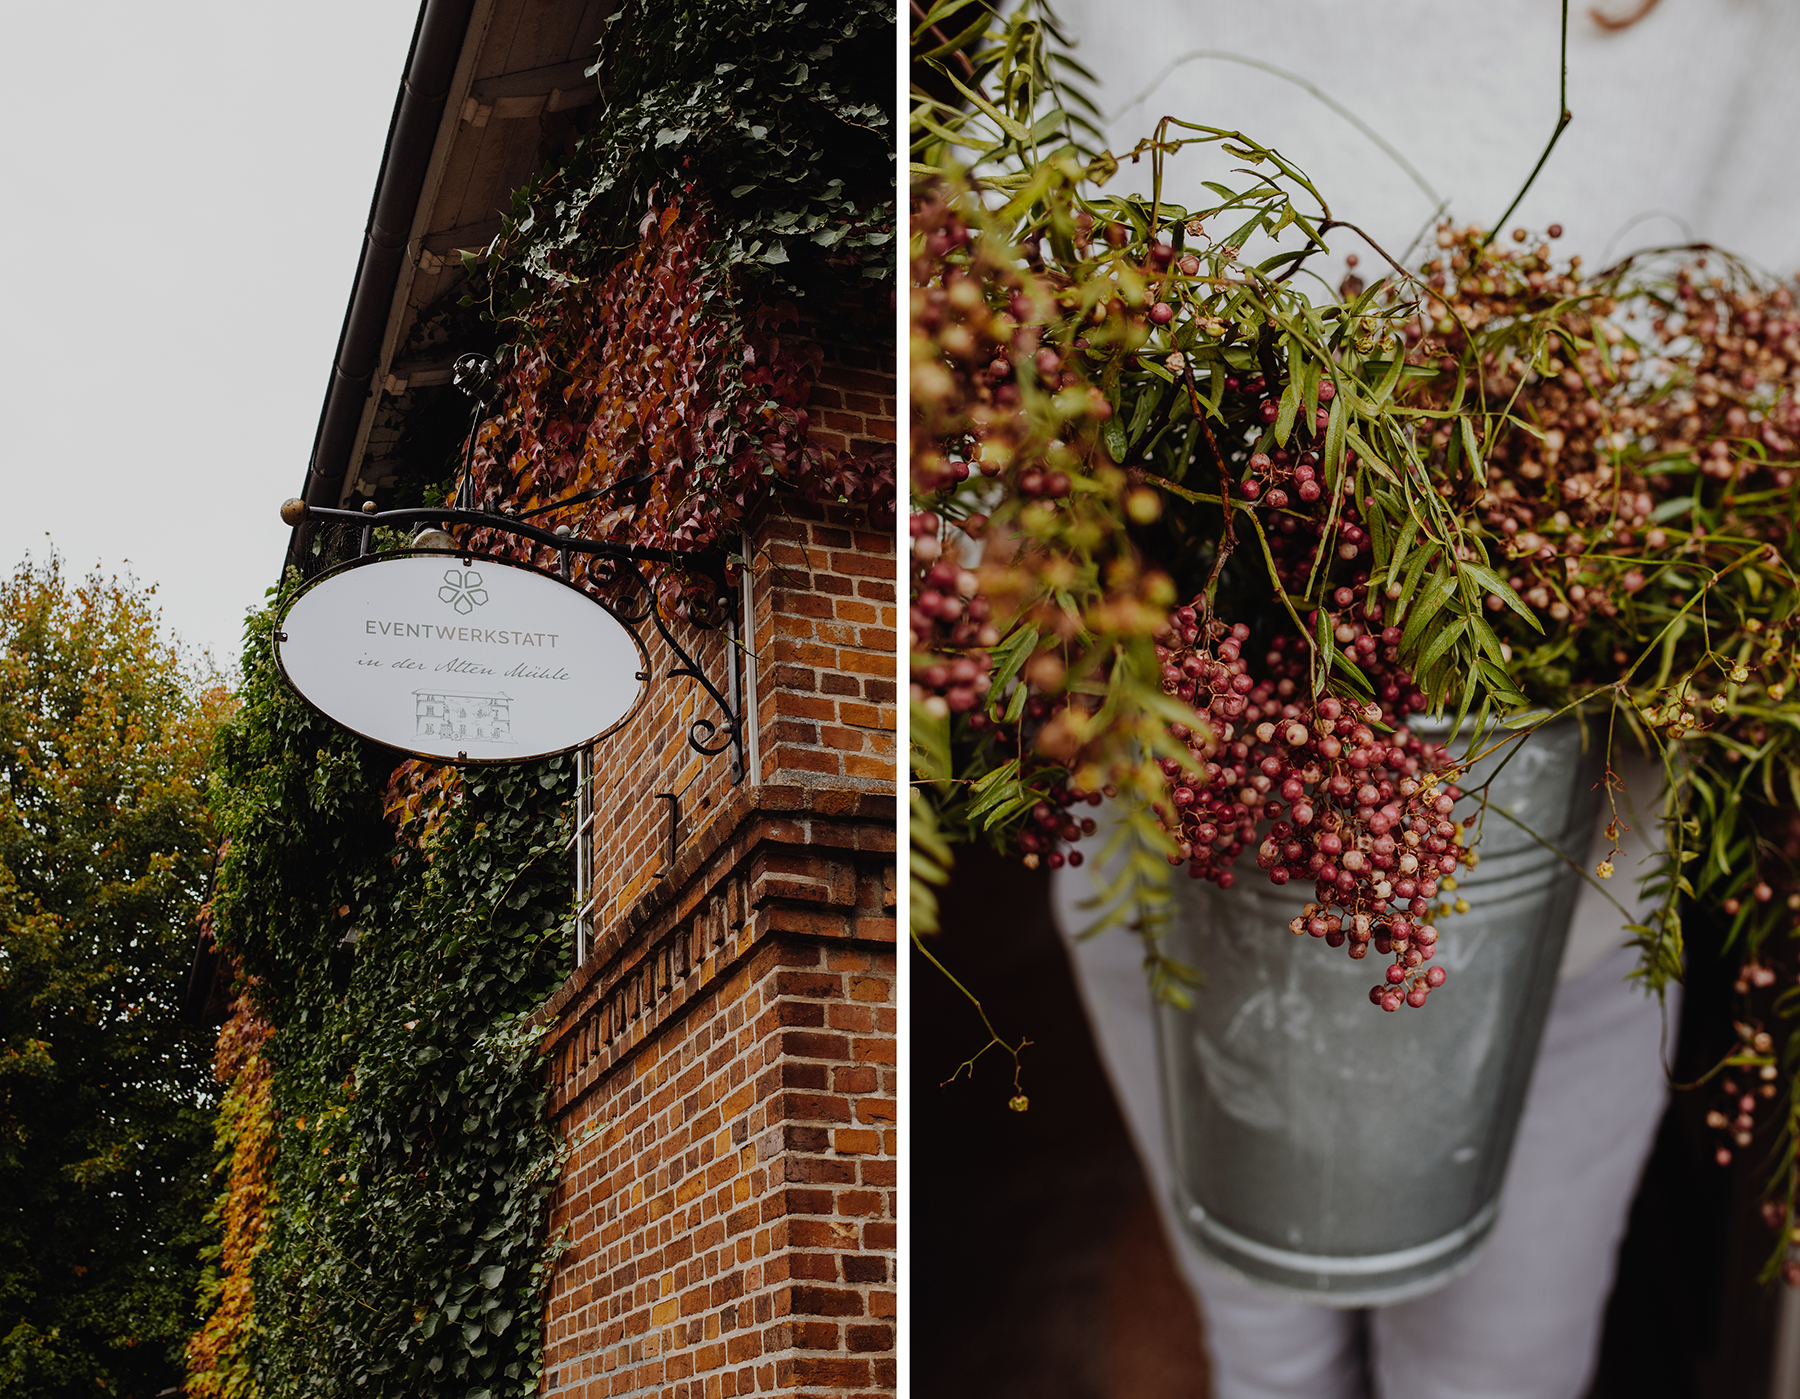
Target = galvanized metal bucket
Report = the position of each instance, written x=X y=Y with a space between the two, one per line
x=1340 y=1155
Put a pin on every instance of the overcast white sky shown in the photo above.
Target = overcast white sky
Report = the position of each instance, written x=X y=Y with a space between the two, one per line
x=1684 y=124
x=185 y=189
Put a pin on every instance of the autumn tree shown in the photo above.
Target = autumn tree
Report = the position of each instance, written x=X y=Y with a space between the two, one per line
x=105 y=1093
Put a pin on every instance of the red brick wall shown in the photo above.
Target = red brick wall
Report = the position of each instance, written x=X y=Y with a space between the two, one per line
x=827 y=618
x=827 y=623
x=724 y=1070
x=723 y=1062
x=649 y=755
x=853 y=406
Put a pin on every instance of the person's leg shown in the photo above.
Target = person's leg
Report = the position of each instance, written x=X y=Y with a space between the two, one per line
x=1524 y=1322
x=1260 y=1346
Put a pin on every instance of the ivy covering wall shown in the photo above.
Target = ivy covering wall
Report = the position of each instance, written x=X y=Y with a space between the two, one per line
x=780 y=116
x=400 y=924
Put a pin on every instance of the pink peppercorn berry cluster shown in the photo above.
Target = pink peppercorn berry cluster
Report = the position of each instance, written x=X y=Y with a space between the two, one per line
x=1365 y=816
x=1733 y=1115
x=952 y=628
x=948 y=614
x=1279 y=479
x=1736 y=1113
x=1051 y=821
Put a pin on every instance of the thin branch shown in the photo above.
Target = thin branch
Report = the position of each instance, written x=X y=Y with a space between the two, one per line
x=1229 y=542
x=1226 y=56
x=993 y=1034
x=1564 y=117
x=944 y=39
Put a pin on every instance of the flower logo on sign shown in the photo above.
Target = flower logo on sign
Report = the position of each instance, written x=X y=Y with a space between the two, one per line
x=463 y=591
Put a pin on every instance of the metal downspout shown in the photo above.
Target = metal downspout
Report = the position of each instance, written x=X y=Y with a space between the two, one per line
x=412 y=133
x=752 y=729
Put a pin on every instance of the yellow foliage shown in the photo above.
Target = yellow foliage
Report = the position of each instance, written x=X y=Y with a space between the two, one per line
x=218 y=1355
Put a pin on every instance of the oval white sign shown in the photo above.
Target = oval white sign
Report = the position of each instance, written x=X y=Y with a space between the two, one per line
x=468 y=659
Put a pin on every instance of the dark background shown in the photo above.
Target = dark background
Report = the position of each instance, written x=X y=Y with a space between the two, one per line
x=1038 y=1265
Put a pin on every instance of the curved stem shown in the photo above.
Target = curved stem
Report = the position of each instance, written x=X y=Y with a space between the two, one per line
x=1563 y=118
x=1226 y=56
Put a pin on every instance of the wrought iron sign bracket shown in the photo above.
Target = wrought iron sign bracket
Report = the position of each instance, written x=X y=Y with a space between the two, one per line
x=705 y=735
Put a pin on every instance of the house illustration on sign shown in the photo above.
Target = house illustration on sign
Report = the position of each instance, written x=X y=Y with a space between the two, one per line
x=485 y=718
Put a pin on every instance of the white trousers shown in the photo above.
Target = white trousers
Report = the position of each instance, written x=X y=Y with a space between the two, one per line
x=1524 y=1321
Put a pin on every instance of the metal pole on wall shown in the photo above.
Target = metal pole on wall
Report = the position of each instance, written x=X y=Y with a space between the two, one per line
x=584 y=851
x=752 y=735
x=734 y=699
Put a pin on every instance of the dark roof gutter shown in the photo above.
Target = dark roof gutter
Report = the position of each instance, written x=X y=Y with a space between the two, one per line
x=418 y=110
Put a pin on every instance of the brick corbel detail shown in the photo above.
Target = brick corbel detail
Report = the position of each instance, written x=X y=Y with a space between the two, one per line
x=804 y=861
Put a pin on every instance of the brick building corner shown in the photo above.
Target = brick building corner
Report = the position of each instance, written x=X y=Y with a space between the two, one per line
x=723 y=1060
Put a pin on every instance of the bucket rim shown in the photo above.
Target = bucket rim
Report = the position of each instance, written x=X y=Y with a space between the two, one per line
x=1462 y=1246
